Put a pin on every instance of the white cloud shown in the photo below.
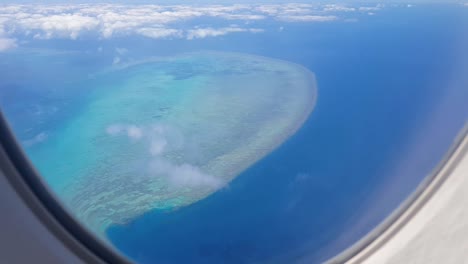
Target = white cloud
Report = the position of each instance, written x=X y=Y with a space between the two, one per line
x=108 y=20
x=184 y=175
x=338 y=8
x=270 y=10
x=7 y=44
x=256 y=30
x=116 y=60
x=369 y=8
x=114 y=129
x=158 y=33
x=187 y=175
x=351 y=20
x=41 y=137
x=73 y=21
x=307 y=18
x=131 y=131
x=210 y=32
x=121 y=51
x=242 y=16
x=63 y=25
x=134 y=132
x=214 y=32
x=158 y=138
x=157 y=146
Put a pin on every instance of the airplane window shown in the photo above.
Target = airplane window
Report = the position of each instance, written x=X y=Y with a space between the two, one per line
x=231 y=131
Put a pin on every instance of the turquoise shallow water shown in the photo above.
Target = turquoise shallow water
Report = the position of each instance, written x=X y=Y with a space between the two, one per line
x=167 y=132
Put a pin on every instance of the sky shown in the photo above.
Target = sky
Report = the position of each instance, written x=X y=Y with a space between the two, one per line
x=233 y=1
x=105 y=21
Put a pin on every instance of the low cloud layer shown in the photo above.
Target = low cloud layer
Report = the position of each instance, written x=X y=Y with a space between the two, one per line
x=6 y=43
x=73 y=21
x=39 y=138
x=158 y=142
x=213 y=32
x=184 y=175
x=307 y=18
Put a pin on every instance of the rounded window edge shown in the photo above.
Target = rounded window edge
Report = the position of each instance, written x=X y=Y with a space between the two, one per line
x=392 y=224
x=24 y=179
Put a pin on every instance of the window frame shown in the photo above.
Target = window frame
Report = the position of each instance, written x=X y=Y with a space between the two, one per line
x=30 y=187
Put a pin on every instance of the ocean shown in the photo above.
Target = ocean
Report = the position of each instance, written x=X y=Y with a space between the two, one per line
x=392 y=93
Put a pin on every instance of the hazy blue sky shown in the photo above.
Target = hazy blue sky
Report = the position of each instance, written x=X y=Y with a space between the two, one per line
x=45 y=20
x=231 y=1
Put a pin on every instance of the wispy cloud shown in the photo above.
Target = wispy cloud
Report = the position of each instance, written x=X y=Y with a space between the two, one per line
x=121 y=51
x=73 y=21
x=184 y=175
x=39 y=138
x=7 y=43
x=370 y=8
x=213 y=32
x=159 y=32
x=61 y=25
x=307 y=18
x=132 y=131
x=157 y=146
x=116 y=60
x=338 y=8
x=157 y=138
x=115 y=129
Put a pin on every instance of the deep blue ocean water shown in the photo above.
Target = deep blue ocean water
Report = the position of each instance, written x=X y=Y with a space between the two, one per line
x=392 y=98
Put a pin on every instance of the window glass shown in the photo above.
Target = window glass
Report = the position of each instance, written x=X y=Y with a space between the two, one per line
x=234 y=132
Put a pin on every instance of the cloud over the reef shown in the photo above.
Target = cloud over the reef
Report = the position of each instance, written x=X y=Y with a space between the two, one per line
x=159 y=140
x=39 y=138
x=307 y=18
x=72 y=21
